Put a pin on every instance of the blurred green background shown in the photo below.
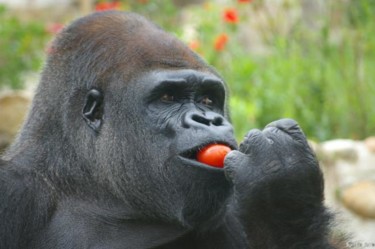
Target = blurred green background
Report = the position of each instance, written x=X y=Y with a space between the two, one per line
x=313 y=61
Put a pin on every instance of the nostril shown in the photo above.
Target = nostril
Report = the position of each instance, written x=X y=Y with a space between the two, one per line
x=200 y=119
x=217 y=121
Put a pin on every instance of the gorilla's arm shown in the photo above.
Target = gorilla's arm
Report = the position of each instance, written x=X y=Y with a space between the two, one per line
x=278 y=189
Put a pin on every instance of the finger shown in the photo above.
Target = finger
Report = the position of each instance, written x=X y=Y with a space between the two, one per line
x=290 y=127
x=255 y=142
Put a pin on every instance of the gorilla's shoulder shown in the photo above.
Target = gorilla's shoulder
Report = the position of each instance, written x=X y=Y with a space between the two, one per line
x=16 y=179
x=25 y=204
x=19 y=183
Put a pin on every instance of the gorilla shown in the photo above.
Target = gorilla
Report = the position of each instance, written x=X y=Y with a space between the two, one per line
x=107 y=155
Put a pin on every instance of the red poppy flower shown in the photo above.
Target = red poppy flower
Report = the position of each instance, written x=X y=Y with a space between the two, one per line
x=245 y=1
x=54 y=28
x=230 y=15
x=107 y=6
x=194 y=45
x=220 y=42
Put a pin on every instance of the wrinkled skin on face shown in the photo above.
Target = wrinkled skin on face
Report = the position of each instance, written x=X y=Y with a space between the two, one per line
x=107 y=155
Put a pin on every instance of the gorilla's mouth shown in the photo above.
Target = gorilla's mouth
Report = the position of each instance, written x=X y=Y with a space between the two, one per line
x=191 y=155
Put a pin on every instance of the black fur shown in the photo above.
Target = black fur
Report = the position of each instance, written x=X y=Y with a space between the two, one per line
x=104 y=159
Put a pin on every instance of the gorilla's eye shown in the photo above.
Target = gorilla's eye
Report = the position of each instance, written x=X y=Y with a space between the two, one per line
x=207 y=101
x=167 y=98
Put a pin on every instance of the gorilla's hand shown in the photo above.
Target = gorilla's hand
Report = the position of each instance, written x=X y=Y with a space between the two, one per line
x=276 y=180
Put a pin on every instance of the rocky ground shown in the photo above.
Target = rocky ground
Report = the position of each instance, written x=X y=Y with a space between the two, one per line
x=349 y=170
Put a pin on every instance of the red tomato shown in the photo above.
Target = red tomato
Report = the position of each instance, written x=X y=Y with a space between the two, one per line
x=213 y=155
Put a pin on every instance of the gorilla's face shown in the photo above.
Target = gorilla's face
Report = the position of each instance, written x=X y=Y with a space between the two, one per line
x=162 y=119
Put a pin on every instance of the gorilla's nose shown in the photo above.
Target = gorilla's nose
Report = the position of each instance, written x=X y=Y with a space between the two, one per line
x=197 y=119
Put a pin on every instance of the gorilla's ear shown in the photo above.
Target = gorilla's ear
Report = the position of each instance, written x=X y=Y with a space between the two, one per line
x=93 y=109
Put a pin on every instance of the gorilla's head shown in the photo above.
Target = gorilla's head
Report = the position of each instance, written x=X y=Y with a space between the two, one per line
x=121 y=110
